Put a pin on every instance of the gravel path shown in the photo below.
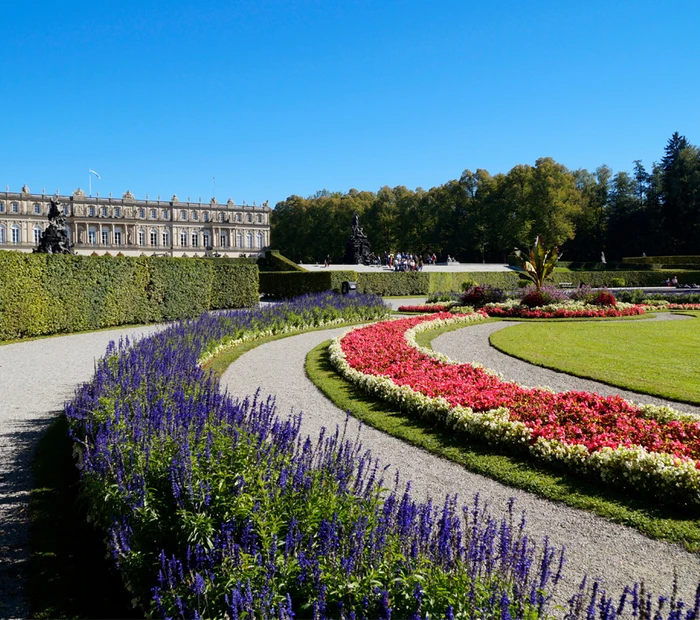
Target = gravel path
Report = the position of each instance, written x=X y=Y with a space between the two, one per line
x=36 y=378
x=616 y=554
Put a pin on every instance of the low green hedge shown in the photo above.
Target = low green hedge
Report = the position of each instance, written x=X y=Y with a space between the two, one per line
x=43 y=294
x=274 y=261
x=288 y=284
x=285 y=285
x=669 y=261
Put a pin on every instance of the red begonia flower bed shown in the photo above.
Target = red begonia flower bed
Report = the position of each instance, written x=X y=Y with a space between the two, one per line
x=571 y=417
x=522 y=312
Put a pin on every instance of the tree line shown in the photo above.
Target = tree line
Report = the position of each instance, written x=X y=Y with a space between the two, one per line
x=480 y=217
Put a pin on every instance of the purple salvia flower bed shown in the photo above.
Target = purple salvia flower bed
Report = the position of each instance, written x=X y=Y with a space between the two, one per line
x=218 y=508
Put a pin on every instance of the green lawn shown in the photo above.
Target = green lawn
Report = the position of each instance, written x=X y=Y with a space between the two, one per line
x=660 y=358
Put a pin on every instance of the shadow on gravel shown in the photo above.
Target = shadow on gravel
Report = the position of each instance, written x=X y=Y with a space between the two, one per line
x=69 y=575
x=15 y=488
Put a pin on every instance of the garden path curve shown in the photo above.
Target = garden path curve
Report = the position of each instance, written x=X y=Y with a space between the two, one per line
x=36 y=378
x=616 y=554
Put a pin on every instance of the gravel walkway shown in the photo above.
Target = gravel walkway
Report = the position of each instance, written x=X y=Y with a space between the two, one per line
x=616 y=554
x=36 y=378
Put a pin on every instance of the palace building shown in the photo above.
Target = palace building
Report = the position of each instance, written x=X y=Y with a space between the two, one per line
x=129 y=227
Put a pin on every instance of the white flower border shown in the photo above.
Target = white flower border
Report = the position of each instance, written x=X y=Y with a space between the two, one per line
x=636 y=467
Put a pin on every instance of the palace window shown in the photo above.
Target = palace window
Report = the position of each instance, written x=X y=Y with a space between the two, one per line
x=142 y=237
x=3 y=237
x=195 y=239
x=224 y=240
x=238 y=217
x=260 y=240
x=166 y=238
x=205 y=217
x=239 y=239
x=92 y=235
x=166 y=214
x=183 y=239
x=37 y=208
x=91 y=211
x=260 y=218
x=16 y=234
x=221 y=217
x=250 y=217
x=15 y=208
x=2 y=207
x=117 y=211
x=206 y=240
x=195 y=216
x=104 y=211
x=154 y=214
x=142 y=214
x=153 y=237
x=250 y=239
x=105 y=237
x=117 y=236
x=183 y=215
x=37 y=235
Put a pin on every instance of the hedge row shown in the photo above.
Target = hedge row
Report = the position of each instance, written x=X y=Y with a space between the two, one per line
x=671 y=261
x=274 y=261
x=44 y=294
x=285 y=285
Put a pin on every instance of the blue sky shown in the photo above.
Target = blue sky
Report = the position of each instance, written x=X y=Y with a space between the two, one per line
x=275 y=98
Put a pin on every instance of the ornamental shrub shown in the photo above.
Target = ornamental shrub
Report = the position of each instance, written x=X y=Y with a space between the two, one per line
x=478 y=296
x=534 y=297
x=583 y=293
x=604 y=298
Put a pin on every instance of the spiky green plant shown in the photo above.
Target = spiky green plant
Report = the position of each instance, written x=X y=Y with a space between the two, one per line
x=539 y=263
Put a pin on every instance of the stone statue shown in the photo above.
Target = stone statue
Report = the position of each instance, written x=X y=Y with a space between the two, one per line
x=358 y=249
x=55 y=238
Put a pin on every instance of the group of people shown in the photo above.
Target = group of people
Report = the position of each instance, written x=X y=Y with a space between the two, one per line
x=406 y=262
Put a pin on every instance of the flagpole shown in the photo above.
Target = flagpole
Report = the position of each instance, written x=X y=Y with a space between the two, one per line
x=90 y=183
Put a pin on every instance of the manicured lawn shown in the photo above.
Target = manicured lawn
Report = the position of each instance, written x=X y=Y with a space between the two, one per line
x=660 y=358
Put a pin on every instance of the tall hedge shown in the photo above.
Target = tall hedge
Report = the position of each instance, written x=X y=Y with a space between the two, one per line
x=44 y=294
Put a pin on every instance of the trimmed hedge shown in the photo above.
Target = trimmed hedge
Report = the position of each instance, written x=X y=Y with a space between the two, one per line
x=285 y=285
x=43 y=294
x=274 y=261
x=670 y=261
x=289 y=284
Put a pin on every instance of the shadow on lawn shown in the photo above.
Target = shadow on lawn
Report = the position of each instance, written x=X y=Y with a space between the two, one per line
x=645 y=513
x=69 y=575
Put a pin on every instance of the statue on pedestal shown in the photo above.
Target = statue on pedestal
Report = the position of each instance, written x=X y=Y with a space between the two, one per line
x=55 y=238
x=357 y=249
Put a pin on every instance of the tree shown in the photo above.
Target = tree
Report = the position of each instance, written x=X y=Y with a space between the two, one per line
x=554 y=201
x=680 y=194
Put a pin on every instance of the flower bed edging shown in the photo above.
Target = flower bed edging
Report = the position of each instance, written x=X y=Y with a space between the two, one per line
x=634 y=466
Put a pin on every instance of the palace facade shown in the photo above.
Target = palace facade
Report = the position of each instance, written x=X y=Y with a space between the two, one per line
x=129 y=227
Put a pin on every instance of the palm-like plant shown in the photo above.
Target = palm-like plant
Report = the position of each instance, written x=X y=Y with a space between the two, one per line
x=539 y=264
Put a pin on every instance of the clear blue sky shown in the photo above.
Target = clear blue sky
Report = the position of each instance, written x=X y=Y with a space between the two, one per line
x=276 y=98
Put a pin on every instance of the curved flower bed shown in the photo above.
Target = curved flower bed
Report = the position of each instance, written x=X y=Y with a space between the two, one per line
x=652 y=449
x=572 y=310
x=439 y=307
x=215 y=508
x=672 y=306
